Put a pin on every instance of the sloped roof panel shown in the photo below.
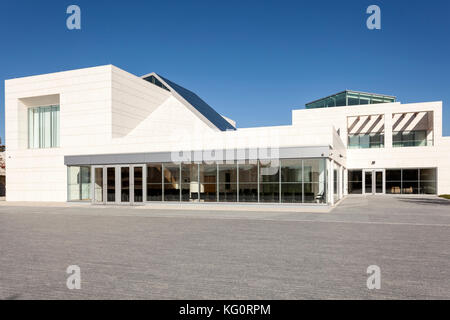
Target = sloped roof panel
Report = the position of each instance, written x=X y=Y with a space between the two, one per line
x=201 y=106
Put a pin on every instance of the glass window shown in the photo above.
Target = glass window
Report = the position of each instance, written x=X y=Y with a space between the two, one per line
x=410 y=174
x=314 y=177
x=353 y=99
x=341 y=100
x=110 y=184
x=171 y=182
x=291 y=193
x=269 y=192
x=269 y=171
x=208 y=181
x=248 y=192
x=125 y=184
x=43 y=127
x=227 y=182
x=248 y=172
x=79 y=183
x=98 y=185
x=355 y=181
x=291 y=170
x=154 y=182
x=427 y=181
x=411 y=181
x=189 y=180
x=415 y=138
x=353 y=141
x=393 y=181
x=364 y=141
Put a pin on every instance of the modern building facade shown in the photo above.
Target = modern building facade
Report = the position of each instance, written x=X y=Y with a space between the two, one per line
x=103 y=135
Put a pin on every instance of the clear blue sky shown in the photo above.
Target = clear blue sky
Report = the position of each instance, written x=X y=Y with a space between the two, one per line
x=253 y=61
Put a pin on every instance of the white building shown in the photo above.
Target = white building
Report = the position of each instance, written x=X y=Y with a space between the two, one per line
x=104 y=135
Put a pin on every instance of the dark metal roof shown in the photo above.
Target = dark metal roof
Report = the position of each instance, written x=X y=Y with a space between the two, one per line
x=201 y=106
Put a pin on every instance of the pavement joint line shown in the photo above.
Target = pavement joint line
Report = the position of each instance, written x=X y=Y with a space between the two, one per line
x=258 y=219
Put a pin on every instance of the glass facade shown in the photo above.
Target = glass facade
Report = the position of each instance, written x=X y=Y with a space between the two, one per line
x=276 y=181
x=43 y=127
x=411 y=181
x=366 y=140
x=416 y=138
x=79 y=183
x=350 y=98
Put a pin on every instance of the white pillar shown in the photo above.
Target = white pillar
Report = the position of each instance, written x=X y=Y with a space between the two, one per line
x=345 y=171
x=330 y=169
x=388 y=130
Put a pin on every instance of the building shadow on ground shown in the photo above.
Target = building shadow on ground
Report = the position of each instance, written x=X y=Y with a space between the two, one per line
x=425 y=201
x=13 y=297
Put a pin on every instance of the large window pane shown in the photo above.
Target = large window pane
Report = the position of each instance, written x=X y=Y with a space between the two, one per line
x=269 y=192
x=98 y=186
x=410 y=174
x=79 y=183
x=355 y=181
x=171 y=182
x=269 y=171
x=364 y=141
x=410 y=187
x=414 y=138
x=248 y=172
x=154 y=192
x=111 y=184
x=228 y=192
x=393 y=181
x=43 y=127
x=427 y=181
x=314 y=192
x=291 y=170
x=138 y=184
x=314 y=176
x=291 y=193
x=189 y=179
x=154 y=182
x=125 y=184
x=248 y=192
x=154 y=173
x=208 y=192
x=227 y=182
x=208 y=181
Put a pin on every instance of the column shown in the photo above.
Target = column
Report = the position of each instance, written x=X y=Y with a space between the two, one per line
x=388 y=130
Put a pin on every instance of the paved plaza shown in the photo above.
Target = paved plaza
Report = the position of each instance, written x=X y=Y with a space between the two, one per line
x=149 y=253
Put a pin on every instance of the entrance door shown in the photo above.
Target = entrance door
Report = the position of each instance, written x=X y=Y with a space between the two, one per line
x=98 y=185
x=138 y=184
x=125 y=184
x=122 y=184
x=110 y=181
x=373 y=181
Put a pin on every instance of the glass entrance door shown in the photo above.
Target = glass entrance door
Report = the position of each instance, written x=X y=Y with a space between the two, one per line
x=373 y=181
x=121 y=184
x=138 y=184
x=125 y=184
x=110 y=184
x=368 y=182
x=98 y=185
x=378 y=182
